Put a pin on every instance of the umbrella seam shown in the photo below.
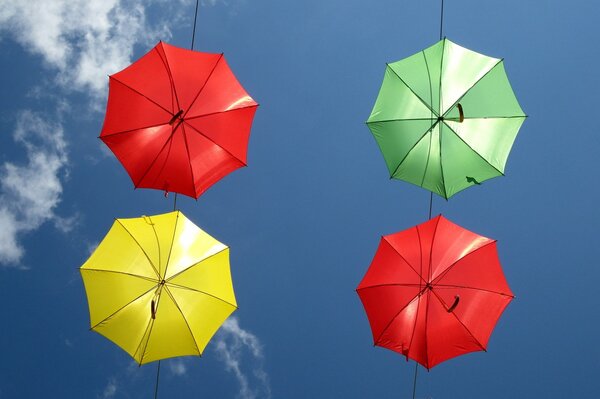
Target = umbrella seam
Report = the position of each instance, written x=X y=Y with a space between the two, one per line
x=172 y=241
x=165 y=62
x=442 y=286
x=183 y=287
x=123 y=273
x=472 y=149
x=212 y=141
x=169 y=141
x=431 y=131
x=412 y=91
x=390 y=285
x=140 y=246
x=187 y=150
x=203 y=86
x=158 y=245
x=194 y=264
x=103 y=136
x=144 y=96
x=399 y=254
x=394 y=318
x=412 y=148
x=444 y=272
x=461 y=323
x=121 y=308
x=222 y=112
x=149 y=328
x=185 y=320
x=400 y=120
x=473 y=85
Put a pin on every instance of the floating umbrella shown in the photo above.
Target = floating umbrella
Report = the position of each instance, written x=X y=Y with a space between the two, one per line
x=158 y=287
x=178 y=120
x=446 y=118
x=434 y=292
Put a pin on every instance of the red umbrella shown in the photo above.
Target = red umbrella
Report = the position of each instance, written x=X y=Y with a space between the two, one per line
x=178 y=120
x=434 y=292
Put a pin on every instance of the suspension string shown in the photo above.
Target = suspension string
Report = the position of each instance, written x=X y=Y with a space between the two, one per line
x=442 y=21
x=174 y=202
x=194 y=30
x=157 y=375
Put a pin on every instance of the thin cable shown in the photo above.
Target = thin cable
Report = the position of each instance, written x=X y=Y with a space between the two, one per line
x=430 y=203
x=415 y=382
x=442 y=21
x=175 y=203
x=157 y=375
x=194 y=30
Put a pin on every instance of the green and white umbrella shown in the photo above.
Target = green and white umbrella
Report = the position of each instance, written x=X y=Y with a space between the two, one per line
x=446 y=118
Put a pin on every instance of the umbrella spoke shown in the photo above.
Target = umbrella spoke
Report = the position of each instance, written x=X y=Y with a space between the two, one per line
x=429 y=106
x=203 y=85
x=141 y=248
x=170 y=112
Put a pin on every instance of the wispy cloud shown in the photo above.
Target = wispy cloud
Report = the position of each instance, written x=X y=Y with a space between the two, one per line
x=177 y=367
x=233 y=346
x=83 y=40
x=110 y=390
x=30 y=192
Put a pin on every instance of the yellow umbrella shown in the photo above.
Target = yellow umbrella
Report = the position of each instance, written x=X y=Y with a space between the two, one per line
x=158 y=287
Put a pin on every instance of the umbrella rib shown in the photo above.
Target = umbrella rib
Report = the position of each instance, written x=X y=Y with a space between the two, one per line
x=140 y=246
x=144 y=96
x=404 y=259
x=412 y=91
x=185 y=320
x=400 y=120
x=390 y=285
x=121 y=308
x=442 y=286
x=172 y=241
x=166 y=65
x=395 y=316
x=149 y=328
x=187 y=150
x=221 y=112
x=101 y=137
x=461 y=323
x=123 y=273
x=413 y=147
x=473 y=85
x=487 y=117
x=183 y=287
x=194 y=264
x=445 y=272
x=472 y=149
x=203 y=86
x=212 y=141
x=442 y=163
x=169 y=140
x=158 y=246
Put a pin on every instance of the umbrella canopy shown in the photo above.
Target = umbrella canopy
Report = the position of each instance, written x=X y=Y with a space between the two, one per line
x=158 y=287
x=434 y=292
x=178 y=120
x=446 y=118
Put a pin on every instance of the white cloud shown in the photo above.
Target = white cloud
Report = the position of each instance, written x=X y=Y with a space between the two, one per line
x=233 y=344
x=177 y=367
x=110 y=390
x=84 y=40
x=30 y=192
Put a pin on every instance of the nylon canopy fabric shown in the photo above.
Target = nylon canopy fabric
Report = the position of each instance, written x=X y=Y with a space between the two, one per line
x=178 y=120
x=446 y=118
x=434 y=292
x=158 y=287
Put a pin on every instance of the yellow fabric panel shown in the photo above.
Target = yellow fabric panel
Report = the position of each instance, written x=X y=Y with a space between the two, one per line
x=170 y=335
x=190 y=246
x=211 y=276
x=155 y=235
x=204 y=313
x=118 y=251
x=127 y=327
x=107 y=292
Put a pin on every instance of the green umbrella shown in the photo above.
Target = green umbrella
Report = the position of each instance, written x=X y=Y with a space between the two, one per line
x=446 y=118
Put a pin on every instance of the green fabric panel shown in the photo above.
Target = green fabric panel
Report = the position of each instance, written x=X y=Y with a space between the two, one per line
x=397 y=138
x=491 y=97
x=421 y=72
x=461 y=69
x=491 y=138
x=422 y=165
x=396 y=101
x=462 y=166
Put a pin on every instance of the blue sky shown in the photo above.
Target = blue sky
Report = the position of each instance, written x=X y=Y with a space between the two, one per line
x=304 y=219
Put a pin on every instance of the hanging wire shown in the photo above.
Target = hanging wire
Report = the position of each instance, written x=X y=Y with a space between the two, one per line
x=158 y=375
x=194 y=30
x=442 y=21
